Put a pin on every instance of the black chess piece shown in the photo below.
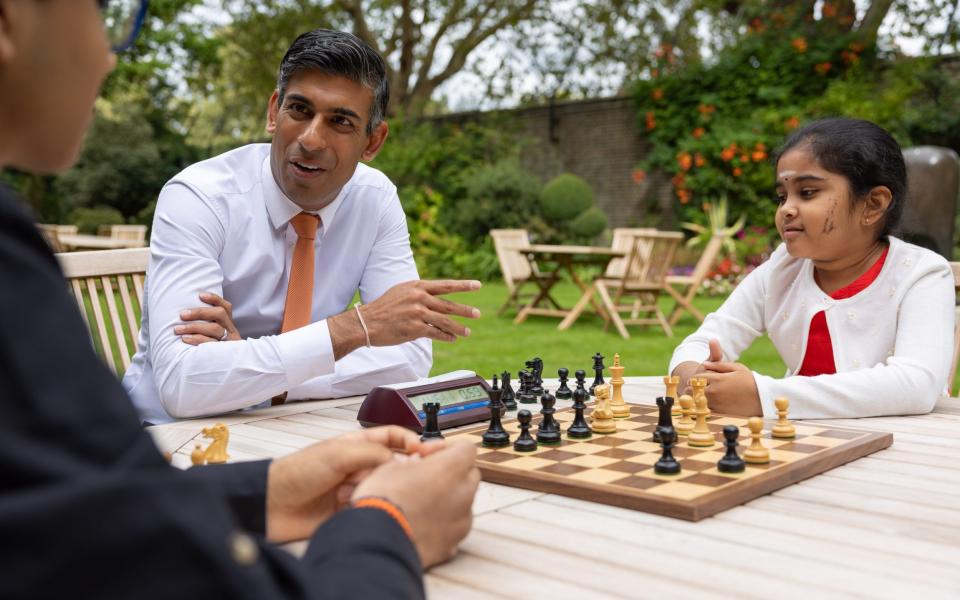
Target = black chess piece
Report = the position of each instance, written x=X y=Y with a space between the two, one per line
x=665 y=405
x=731 y=462
x=431 y=429
x=495 y=436
x=549 y=430
x=563 y=392
x=508 y=397
x=535 y=366
x=579 y=429
x=525 y=396
x=526 y=442
x=598 y=368
x=667 y=465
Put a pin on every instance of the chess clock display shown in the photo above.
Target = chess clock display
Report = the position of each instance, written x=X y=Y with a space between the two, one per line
x=462 y=397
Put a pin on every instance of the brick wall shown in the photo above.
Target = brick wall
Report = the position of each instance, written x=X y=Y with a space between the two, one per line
x=599 y=141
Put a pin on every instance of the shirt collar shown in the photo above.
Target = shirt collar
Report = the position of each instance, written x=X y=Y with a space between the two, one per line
x=281 y=209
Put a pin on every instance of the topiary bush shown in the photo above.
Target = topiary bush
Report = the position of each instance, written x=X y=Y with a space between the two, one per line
x=588 y=224
x=565 y=197
x=501 y=195
x=88 y=220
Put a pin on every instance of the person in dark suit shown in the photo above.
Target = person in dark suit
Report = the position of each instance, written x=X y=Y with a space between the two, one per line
x=88 y=506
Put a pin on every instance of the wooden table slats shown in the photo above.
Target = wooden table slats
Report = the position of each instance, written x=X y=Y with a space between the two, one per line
x=884 y=526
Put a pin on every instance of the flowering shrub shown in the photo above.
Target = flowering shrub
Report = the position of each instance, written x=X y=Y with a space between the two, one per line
x=713 y=126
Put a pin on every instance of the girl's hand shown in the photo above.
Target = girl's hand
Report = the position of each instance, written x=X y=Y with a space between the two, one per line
x=731 y=389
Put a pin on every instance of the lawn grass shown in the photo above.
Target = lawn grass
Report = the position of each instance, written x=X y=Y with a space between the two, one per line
x=497 y=345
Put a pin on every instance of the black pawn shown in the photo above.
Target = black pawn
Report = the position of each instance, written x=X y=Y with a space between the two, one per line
x=508 y=398
x=525 y=396
x=579 y=429
x=667 y=465
x=524 y=443
x=431 y=430
x=665 y=405
x=598 y=369
x=495 y=436
x=563 y=392
x=731 y=462
x=549 y=430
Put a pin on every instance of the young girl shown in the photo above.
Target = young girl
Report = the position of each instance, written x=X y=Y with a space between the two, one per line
x=863 y=320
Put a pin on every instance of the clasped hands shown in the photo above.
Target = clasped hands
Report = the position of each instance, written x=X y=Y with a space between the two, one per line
x=433 y=483
x=731 y=386
x=406 y=312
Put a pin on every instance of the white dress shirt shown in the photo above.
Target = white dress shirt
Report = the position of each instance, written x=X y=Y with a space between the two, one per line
x=222 y=226
x=892 y=342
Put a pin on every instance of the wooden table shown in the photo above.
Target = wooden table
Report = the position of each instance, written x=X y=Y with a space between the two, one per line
x=97 y=242
x=884 y=526
x=562 y=259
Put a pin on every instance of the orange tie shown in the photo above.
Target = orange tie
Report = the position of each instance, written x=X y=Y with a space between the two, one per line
x=296 y=312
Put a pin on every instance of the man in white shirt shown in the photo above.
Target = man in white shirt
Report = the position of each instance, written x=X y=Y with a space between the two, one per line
x=224 y=233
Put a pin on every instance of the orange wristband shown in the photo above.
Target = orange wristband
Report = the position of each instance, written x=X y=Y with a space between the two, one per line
x=388 y=507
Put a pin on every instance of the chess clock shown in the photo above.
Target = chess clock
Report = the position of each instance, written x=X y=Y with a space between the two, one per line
x=462 y=396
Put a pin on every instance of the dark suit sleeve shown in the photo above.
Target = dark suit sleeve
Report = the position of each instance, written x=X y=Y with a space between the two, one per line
x=89 y=508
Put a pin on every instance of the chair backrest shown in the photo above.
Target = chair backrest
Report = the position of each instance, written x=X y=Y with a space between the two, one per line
x=124 y=232
x=928 y=213
x=708 y=258
x=52 y=234
x=508 y=244
x=623 y=240
x=108 y=288
x=651 y=257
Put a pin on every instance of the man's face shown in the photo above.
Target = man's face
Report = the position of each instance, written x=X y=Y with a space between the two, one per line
x=319 y=135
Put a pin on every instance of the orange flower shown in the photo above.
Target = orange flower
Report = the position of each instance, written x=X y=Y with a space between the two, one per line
x=638 y=176
x=856 y=46
x=829 y=10
x=698 y=132
x=706 y=109
x=760 y=146
x=822 y=68
x=678 y=181
x=651 y=121
x=792 y=123
x=737 y=171
x=684 y=196
x=657 y=94
x=699 y=160
x=727 y=154
x=685 y=161
x=744 y=158
x=654 y=73
x=758 y=155
x=706 y=206
x=849 y=58
x=799 y=44
x=756 y=25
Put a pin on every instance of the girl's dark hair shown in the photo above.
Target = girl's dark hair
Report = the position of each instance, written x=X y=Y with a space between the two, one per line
x=861 y=151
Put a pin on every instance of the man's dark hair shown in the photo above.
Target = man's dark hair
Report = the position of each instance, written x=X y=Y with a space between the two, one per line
x=861 y=151
x=342 y=54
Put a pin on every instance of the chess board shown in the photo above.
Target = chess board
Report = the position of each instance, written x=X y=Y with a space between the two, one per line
x=617 y=468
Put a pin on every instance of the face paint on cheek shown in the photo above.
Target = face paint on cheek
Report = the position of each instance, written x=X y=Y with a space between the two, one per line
x=828 y=224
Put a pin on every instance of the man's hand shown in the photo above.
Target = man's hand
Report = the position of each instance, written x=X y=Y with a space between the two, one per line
x=406 y=312
x=307 y=487
x=435 y=493
x=732 y=390
x=212 y=323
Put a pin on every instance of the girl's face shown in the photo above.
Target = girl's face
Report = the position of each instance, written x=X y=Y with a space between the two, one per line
x=814 y=216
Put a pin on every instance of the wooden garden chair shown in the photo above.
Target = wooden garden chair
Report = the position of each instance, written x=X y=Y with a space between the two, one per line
x=108 y=288
x=517 y=269
x=124 y=232
x=52 y=234
x=637 y=290
x=683 y=288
